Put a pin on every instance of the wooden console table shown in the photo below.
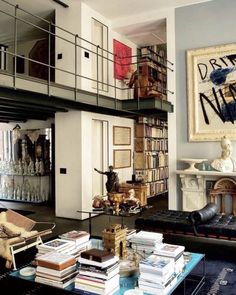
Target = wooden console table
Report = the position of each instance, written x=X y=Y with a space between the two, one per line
x=194 y=189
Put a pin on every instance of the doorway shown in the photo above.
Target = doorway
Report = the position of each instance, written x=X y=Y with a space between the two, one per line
x=100 y=155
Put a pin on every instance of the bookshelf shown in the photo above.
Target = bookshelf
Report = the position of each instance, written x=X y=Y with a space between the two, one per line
x=151 y=154
x=155 y=58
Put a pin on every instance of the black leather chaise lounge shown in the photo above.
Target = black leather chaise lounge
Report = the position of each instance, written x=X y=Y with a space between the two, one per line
x=206 y=222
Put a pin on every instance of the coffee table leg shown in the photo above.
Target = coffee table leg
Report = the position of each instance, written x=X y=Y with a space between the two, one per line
x=90 y=223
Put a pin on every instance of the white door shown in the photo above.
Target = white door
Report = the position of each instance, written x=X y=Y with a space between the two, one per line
x=99 y=156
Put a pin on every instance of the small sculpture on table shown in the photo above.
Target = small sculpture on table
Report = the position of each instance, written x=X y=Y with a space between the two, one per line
x=225 y=163
x=112 y=184
x=132 y=203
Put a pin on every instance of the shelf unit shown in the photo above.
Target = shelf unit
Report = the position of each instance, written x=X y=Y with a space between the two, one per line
x=24 y=188
x=151 y=154
x=155 y=58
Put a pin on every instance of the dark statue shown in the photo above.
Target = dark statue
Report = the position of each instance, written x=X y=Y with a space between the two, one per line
x=112 y=184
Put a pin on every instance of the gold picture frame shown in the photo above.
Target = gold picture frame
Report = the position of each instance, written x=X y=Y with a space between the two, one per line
x=122 y=158
x=121 y=135
x=211 y=80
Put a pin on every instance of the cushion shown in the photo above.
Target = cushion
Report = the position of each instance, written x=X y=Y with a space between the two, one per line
x=203 y=215
x=7 y=233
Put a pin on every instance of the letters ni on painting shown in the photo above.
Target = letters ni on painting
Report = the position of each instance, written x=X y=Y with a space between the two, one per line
x=212 y=93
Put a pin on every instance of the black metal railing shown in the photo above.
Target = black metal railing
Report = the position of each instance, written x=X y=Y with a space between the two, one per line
x=92 y=48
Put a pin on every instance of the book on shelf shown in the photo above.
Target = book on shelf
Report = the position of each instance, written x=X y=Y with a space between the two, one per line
x=79 y=237
x=170 y=250
x=97 y=255
x=55 y=260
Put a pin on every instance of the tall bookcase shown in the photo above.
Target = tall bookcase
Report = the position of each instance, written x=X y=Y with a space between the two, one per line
x=155 y=58
x=151 y=154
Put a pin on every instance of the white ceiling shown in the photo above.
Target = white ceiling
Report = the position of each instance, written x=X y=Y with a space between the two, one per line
x=141 y=34
x=113 y=9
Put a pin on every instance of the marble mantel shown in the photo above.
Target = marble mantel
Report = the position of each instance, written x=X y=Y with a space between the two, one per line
x=194 y=190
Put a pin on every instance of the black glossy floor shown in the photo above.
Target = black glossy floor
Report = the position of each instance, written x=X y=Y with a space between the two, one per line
x=46 y=213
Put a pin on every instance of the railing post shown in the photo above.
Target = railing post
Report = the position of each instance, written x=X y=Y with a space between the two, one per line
x=115 y=93
x=139 y=87
x=15 y=47
x=97 y=76
x=76 y=65
x=49 y=58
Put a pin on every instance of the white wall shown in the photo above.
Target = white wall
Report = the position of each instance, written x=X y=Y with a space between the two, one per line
x=70 y=20
x=86 y=64
x=74 y=138
x=78 y=19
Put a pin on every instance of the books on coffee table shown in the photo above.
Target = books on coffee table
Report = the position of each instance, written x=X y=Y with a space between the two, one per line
x=97 y=255
x=57 y=244
x=170 y=250
x=79 y=237
x=55 y=260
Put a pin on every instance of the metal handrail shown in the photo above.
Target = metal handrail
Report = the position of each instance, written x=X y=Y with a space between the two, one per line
x=59 y=69
x=75 y=44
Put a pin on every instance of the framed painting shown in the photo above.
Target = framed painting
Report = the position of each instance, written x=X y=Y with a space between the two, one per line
x=211 y=74
x=121 y=135
x=122 y=158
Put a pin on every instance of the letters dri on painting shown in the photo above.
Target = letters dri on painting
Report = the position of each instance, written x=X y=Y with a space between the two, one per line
x=212 y=93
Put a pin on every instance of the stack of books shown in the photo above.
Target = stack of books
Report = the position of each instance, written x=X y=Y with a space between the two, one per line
x=56 y=269
x=174 y=252
x=146 y=241
x=157 y=275
x=98 y=272
x=58 y=245
x=80 y=239
x=130 y=233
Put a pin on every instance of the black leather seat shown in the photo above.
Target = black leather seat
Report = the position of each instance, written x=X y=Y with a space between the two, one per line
x=205 y=222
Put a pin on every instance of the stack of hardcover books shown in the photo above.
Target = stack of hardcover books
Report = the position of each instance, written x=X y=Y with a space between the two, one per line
x=80 y=239
x=98 y=272
x=58 y=245
x=146 y=241
x=174 y=252
x=56 y=269
x=157 y=275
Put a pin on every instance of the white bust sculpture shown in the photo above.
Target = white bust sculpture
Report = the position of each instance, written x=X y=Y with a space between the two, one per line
x=225 y=163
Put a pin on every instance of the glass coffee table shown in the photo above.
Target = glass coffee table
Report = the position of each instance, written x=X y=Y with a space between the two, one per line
x=95 y=212
x=128 y=283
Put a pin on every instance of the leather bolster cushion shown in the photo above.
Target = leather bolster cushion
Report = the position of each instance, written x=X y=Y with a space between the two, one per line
x=203 y=215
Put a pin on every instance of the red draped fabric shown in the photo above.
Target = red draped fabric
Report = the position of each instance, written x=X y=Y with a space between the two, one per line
x=122 y=59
